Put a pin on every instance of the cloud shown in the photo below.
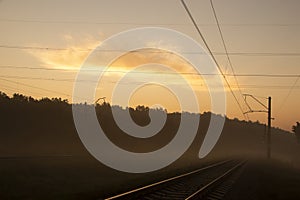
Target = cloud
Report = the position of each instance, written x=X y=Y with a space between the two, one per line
x=76 y=51
x=176 y=64
x=72 y=55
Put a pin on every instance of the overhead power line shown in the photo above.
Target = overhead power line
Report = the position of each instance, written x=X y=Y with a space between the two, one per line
x=83 y=22
x=33 y=68
x=148 y=72
x=38 y=48
x=35 y=87
x=265 y=54
x=212 y=55
x=225 y=48
x=7 y=78
x=253 y=54
x=289 y=93
x=47 y=21
x=13 y=89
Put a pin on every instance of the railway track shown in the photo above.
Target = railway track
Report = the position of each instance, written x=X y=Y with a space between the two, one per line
x=211 y=182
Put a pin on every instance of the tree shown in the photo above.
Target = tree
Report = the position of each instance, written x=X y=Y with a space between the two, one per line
x=3 y=97
x=142 y=108
x=20 y=98
x=296 y=130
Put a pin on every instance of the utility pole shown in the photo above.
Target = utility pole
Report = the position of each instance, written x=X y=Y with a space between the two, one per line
x=269 y=128
x=267 y=110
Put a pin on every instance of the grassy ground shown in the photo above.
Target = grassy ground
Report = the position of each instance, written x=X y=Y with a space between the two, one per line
x=267 y=180
x=57 y=178
x=80 y=177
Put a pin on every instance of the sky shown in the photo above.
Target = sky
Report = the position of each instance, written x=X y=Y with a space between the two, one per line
x=43 y=44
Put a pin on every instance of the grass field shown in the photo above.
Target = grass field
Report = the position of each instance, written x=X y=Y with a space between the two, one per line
x=70 y=177
x=57 y=178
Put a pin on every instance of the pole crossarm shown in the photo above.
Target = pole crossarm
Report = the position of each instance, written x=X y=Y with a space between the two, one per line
x=250 y=109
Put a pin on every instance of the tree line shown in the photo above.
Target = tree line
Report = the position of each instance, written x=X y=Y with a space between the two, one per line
x=46 y=126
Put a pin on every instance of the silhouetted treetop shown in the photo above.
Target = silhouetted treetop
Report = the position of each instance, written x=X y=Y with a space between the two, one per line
x=296 y=130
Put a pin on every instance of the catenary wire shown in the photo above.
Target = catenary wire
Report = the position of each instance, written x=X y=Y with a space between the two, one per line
x=226 y=51
x=258 y=54
x=212 y=55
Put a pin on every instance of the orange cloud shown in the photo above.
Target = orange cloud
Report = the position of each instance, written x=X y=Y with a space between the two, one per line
x=69 y=57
